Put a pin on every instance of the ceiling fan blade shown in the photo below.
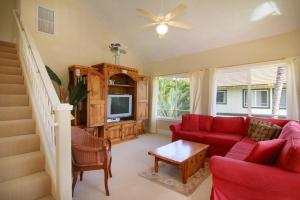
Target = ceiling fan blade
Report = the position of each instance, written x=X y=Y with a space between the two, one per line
x=176 y=11
x=148 y=14
x=179 y=25
x=151 y=24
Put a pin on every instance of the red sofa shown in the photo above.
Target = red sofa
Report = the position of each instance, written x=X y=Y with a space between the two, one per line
x=220 y=133
x=233 y=177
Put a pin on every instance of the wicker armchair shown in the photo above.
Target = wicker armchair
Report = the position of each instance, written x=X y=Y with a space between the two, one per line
x=90 y=153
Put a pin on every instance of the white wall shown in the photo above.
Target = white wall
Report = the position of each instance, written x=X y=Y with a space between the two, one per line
x=7 y=22
x=78 y=39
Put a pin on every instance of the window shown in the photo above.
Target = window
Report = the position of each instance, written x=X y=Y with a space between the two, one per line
x=252 y=83
x=260 y=98
x=221 y=97
x=173 y=97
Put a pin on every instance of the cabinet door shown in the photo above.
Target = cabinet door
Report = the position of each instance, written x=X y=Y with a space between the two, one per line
x=139 y=127
x=142 y=99
x=114 y=133
x=128 y=131
x=96 y=101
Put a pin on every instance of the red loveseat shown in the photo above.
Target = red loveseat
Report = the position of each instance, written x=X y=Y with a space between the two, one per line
x=220 y=133
x=235 y=179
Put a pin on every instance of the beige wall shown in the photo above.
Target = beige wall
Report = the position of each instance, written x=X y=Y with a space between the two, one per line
x=7 y=23
x=276 y=47
x=78 y=38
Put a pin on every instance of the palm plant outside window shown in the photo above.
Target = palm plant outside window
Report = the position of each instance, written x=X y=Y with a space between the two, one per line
x=173 y=97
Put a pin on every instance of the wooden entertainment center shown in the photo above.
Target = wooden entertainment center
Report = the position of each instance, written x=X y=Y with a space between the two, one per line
x=101 y=81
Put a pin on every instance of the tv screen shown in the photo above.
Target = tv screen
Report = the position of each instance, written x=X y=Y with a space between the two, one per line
x=119 y=106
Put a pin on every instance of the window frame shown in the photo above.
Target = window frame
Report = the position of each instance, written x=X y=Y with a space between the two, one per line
x=225 y=97
x=176 y=110
x=256 y=107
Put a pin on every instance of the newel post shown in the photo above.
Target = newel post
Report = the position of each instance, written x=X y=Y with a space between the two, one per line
x=63 y=186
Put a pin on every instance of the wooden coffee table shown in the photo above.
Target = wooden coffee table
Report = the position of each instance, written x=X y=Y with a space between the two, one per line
x=187 y=156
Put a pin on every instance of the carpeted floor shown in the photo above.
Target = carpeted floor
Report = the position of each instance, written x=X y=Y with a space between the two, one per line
x=130 y=158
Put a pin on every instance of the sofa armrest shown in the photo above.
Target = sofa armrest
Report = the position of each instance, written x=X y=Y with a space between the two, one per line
x=175 y=127
x=254 y=177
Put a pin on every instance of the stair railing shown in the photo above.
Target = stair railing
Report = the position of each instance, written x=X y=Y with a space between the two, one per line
x=53 y=119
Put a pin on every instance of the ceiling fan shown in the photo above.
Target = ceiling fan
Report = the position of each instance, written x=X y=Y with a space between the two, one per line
x=162 y=23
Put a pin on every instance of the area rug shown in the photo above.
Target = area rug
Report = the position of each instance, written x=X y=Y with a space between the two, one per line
x=169 y=176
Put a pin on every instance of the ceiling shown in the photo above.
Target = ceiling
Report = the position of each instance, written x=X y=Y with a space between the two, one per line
x=215 y=23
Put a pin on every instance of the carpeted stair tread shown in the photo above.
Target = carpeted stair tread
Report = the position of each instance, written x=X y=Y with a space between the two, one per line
x=21 y=144
x=31 y=187
x=12 y=167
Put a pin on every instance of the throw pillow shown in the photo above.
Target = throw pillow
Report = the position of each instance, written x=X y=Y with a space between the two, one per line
x=277 y=131
x=266 y=152
x=190 y=122
x=262 y=130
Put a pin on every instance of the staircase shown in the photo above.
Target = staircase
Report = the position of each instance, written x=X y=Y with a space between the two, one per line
x=22 y=164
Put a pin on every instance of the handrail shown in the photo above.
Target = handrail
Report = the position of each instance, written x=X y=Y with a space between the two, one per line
x=52 y=117
x=39 y=64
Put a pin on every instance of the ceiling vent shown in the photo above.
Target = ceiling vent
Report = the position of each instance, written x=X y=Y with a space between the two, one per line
x=45 y=20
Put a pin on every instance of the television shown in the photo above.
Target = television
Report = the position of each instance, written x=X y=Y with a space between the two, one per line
x=119 y=106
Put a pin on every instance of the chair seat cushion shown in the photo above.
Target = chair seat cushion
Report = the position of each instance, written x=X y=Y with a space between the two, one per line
x=192 y=136
x=242 y=149
x=221 y=139
x=266 y=152
x=190 y=122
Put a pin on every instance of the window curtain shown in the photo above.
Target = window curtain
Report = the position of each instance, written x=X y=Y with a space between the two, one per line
x=197 y=84
x=154 y=98
x=293 y=89
x=212 y=91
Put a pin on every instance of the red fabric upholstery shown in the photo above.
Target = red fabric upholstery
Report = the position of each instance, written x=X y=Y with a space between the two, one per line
x=190 y=122
x=217 y=150
x=242 y=149
x=266 y=152
x=221 y=139
x=233 y=125
x=192 y=136
x=291 y=129
x=279 y=122
x=289 y=157
x=235 y=180
x=205 y=122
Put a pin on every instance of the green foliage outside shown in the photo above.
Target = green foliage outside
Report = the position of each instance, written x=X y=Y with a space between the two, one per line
x=173 y=97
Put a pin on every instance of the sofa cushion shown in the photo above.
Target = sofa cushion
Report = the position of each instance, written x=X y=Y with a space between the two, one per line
x=266 y=152
x=205 y=122
x=233 y=125
x=279 y=122
x=221 y=139
x=191 y=135
x=242 y=149
x=190 y=122
x=291 y=129
x=289 y=157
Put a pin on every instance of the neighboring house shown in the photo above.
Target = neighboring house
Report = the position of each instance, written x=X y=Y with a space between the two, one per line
x=232 y=92
x=233 y=101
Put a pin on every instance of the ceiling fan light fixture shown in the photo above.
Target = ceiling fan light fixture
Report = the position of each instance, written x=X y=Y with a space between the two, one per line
x=162 y=29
